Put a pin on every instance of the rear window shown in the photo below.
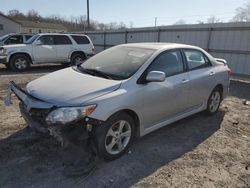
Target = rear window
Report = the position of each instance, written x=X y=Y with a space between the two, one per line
x=80 y=39
x=62 y=40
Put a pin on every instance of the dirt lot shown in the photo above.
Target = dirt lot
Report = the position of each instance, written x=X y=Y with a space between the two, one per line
x=198 y=151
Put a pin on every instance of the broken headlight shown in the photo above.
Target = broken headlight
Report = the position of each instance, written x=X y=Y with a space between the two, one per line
x=69 y=114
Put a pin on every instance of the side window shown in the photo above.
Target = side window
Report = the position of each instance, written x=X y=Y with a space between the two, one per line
x=80 y=39
x=27 y=37
x=169 y=62
x=62 y=40
x=15 y=39
x=46 y=40
x=196 y=59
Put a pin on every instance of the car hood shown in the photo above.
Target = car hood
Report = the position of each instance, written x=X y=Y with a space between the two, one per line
x=68 y=87
x=14 y=46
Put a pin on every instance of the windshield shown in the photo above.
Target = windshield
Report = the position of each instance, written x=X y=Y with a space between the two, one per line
x=119 y=62
x=4 y=37
x=32 y=39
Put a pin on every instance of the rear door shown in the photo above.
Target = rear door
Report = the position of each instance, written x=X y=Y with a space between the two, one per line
x=201 y=76
x=83 y=43
x=165 y=100
x=63 y=47
x=44 y=49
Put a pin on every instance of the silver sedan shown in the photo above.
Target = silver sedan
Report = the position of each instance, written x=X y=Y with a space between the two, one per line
x=126 y=91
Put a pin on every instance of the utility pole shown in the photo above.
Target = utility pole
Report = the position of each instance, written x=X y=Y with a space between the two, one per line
x=88 y=13
x=155 y=21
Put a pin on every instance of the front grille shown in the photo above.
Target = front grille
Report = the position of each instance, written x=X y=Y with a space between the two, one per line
x=38 y=115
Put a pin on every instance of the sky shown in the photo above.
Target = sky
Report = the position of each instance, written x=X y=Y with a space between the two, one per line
x=141 y=13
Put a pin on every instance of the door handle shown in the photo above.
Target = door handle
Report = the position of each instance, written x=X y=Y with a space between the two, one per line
x=185 y=81
x=211 y=73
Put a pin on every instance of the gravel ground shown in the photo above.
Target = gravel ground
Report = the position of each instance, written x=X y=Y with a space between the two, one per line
x=198 y=151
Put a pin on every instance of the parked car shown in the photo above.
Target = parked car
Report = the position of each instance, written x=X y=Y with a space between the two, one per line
x=47 y=48
x=14 y=38
x=126 y=91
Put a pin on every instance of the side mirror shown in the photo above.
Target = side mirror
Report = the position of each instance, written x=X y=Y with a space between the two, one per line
x=38 y=42
x=156 y=76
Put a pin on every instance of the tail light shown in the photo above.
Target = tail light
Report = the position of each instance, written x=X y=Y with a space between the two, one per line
x=93 y=50
x=229 y=72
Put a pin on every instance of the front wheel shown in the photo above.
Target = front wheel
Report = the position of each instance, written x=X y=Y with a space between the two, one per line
x=19 y=63
x=114 y=137
x=214 y=101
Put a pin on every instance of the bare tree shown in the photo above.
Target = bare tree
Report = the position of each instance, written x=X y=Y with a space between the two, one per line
x=73 y=24
x=213 y=19
x=33 y=15
x=242 y=14
x=15 y=14
x=180 y=22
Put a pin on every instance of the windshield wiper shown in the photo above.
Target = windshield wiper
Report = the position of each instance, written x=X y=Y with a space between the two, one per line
x=95 y=72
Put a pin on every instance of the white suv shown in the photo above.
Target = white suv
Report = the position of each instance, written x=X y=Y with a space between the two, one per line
x=47 y=48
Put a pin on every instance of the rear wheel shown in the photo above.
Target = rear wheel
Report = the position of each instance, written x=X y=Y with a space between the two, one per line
x=115 y=136
x=77 y=58
x=214 y=101
x=19 y=63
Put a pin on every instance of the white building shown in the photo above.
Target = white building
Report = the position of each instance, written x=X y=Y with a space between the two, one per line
x=9 y=25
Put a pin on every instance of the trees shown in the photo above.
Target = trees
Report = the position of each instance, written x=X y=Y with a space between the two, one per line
x=213 y=19
x=15 y=14
x=73 y=24
x=242 y=14
x=180 y=22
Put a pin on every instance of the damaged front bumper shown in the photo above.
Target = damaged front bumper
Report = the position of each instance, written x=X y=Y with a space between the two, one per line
x=35 y=111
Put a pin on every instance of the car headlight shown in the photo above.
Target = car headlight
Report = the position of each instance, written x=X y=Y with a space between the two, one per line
x=3 y=51
x=69 y=114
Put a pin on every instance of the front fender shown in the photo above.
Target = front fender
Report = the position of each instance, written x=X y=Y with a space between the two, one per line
x=119 y=100
x=12 y=52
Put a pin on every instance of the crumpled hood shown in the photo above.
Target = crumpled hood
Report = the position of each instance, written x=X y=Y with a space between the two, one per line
x=68 y=87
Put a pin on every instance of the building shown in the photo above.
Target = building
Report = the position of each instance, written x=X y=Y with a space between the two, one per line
x=9 y=25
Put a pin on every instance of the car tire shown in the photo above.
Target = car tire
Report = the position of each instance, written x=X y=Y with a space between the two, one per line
x=214 y=101
x=19 y=63
x=114 y=137
x=77 y=57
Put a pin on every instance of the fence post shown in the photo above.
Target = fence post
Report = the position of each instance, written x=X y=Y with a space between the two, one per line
x=126 y=36
x=104 y=40
x=159 y=35
x=209 y=38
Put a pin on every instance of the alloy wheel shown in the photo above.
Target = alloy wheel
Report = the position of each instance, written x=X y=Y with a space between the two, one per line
x=21 y=63
x=118 y=137
x=214 y=101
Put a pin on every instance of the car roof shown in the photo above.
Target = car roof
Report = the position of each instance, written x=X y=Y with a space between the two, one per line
x=61 y=34
x=160 y=45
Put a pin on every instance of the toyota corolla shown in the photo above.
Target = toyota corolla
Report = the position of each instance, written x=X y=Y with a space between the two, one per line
x=125 y=92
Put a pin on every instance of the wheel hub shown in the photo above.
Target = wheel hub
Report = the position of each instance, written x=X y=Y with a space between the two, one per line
x=118 y=137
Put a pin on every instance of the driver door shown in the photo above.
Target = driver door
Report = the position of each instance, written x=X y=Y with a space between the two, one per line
x=44 y=49
x=167 y=99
